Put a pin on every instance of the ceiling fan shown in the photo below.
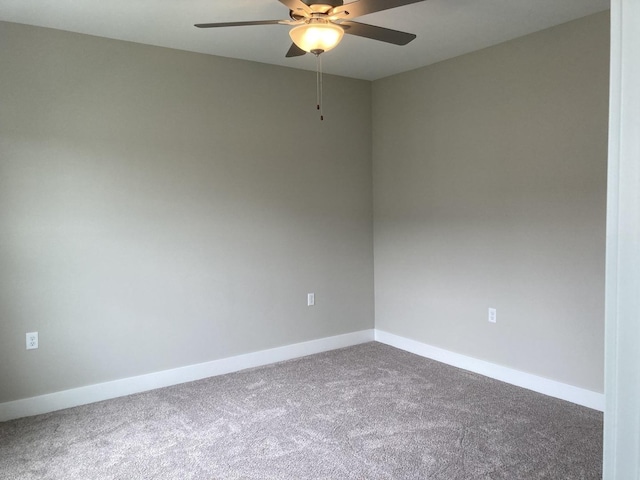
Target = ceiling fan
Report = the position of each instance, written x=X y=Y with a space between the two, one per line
x=319 y=25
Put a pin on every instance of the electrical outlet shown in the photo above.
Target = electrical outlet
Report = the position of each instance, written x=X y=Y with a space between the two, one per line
x=32 y=340
x=492 y=315
x=311 y=299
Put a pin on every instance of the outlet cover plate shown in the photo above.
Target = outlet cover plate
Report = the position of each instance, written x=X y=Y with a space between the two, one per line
x=32 y=340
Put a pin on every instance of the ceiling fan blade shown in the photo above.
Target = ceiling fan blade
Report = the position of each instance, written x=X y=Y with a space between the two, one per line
x=364 y=7
x=297 y=6
x=295 y=51
x=377 y=33
x=238 y=24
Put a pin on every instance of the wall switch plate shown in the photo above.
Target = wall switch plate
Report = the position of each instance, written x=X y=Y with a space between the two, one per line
x=492 y=315
x=32 y=340
x=311 y=299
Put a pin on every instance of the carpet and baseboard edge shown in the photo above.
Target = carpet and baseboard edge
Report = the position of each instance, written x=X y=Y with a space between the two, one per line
x=552 y=388
x=127 y=386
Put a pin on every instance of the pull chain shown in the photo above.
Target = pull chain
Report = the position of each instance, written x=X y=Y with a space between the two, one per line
x=319 y=85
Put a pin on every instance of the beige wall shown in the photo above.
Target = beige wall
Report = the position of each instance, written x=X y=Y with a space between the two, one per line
x=489 y=191
x=160 y=208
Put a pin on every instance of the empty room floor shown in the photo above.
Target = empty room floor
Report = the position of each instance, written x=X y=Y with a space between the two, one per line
x=365 y=412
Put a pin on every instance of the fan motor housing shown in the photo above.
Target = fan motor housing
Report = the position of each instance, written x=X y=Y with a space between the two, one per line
x=328 y=3
x=331 y=3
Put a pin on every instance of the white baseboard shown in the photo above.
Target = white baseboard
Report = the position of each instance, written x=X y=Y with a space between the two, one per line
x=127 y=386
x=552 y=388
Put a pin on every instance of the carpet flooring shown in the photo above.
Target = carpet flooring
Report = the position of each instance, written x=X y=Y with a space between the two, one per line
x=364 y=412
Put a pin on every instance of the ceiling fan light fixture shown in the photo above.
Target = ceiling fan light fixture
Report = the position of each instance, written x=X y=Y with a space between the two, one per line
x=316 y=37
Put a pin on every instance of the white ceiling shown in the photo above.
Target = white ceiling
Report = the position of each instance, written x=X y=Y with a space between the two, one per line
x=445 y=28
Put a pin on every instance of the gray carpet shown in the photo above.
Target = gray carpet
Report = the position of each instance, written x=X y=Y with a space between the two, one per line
x=364 y=412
